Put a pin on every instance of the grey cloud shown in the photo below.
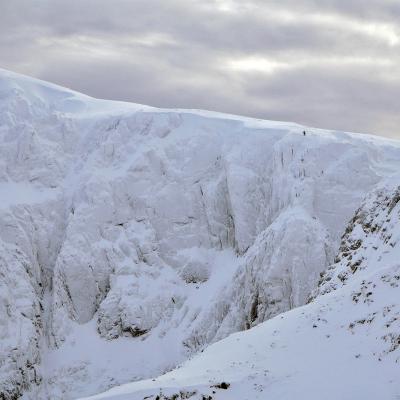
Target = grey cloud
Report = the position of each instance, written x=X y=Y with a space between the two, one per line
x=371 y=10
x=174 y=53
x=310 y=93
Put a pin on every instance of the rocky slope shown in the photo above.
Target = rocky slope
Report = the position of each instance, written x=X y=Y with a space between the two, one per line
x=133 y=237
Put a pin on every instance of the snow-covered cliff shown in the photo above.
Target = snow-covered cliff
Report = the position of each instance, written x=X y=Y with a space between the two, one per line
x=132 y=237
x=344 y=344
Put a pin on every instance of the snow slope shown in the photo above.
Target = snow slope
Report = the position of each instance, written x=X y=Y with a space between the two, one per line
x=133 y=237
x=345 y=344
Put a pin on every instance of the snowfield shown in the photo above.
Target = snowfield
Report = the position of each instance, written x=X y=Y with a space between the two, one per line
x=172 y=254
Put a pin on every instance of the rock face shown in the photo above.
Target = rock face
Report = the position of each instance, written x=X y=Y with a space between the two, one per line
x=370 y=238
x=127 y=230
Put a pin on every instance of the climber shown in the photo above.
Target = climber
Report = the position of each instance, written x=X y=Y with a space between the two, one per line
x=304 y=133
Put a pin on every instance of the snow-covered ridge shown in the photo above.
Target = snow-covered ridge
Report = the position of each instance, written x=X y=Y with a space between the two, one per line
x=132 y=237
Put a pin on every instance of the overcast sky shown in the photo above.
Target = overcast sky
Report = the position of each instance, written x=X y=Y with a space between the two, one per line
x=325 y=63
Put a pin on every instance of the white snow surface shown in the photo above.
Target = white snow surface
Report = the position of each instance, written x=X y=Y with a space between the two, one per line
x=132 y=238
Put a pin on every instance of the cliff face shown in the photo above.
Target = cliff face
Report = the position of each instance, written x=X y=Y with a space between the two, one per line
x=344 y=343
x=127 y=230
